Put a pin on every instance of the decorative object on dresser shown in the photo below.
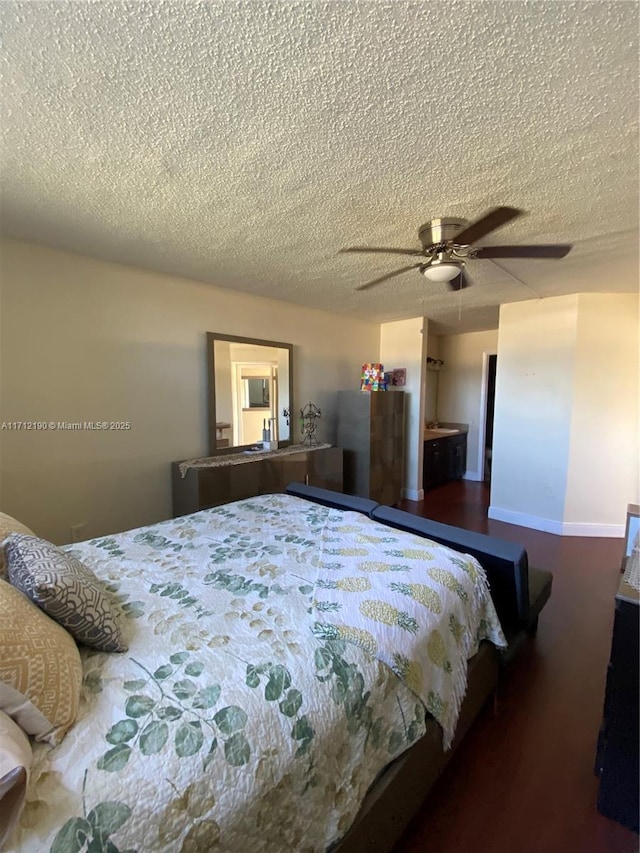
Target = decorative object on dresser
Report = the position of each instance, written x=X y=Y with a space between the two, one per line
x=617 y=751
x=399 y=376
x=309 y=417
x=372 y=377
x=250 y=382
x=371 y=433
x=214 y=480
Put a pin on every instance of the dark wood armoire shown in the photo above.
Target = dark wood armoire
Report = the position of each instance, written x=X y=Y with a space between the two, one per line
x=371 y=434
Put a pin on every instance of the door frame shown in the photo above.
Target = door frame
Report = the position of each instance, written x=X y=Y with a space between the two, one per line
x=237 y=396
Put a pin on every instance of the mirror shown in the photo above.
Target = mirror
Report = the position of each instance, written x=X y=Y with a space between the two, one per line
x=250 y=386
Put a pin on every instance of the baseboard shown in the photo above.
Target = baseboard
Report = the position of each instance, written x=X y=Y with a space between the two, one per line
x=560 y=528
x=603 y=531
x=413 y=494
x=522 y=519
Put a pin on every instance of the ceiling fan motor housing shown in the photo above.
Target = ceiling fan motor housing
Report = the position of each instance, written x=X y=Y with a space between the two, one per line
x=440 y=231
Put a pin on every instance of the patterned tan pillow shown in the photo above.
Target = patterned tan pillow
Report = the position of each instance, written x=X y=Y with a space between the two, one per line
x=15 y=763
x=65 y=589
x=9 y=525
x=40 y=669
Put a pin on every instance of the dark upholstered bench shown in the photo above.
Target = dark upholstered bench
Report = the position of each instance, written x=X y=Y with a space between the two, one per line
x=540 y=582
x=333 y=499
x=519 y=591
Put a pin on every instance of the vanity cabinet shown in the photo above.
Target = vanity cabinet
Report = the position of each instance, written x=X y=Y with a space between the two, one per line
x=434 y=463
x=445 y=459
x=458 y=456
x=238 y=476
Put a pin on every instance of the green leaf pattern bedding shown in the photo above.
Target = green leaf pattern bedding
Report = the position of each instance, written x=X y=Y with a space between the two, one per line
x=231 y=723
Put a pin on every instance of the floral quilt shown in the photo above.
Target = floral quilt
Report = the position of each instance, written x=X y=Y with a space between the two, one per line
x=417 y=606
x=232 y=723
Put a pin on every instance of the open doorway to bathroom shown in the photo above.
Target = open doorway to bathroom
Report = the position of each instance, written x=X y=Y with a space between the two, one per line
x=487 y=405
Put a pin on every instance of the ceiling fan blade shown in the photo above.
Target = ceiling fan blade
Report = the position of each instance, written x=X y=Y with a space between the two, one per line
x=460 y=282
x=494 y=218
x=381 y=250
x=387 y=276
x=556 y=250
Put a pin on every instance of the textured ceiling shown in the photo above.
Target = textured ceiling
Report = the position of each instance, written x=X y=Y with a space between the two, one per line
x=243 y=143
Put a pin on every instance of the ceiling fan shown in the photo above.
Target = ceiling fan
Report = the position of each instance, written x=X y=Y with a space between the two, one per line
x=447 y=245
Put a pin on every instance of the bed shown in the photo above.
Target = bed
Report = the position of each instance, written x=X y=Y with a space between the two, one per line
x=281 y=654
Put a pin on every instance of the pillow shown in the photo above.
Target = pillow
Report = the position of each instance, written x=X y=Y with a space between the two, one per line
x=9 y=525
x=15 y=761
x=65 y=589
x=40 y=669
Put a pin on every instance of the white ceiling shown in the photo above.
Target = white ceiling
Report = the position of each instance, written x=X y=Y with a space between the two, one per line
x=243 y=143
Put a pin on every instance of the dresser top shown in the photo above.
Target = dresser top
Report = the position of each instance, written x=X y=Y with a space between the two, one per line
x=244 y=456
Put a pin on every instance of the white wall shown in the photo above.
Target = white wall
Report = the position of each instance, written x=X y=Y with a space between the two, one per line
x=403 y=344
x=565 y=451
x=460 y=386
x=603 y=475
x=86 y=340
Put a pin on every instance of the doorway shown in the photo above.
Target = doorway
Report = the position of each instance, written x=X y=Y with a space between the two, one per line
x=487 y=406
x=255 y=401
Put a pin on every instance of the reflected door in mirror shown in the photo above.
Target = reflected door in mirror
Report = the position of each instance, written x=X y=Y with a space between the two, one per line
x=250 y=385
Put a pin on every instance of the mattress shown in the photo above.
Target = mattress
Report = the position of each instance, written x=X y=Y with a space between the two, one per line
x=230 y=723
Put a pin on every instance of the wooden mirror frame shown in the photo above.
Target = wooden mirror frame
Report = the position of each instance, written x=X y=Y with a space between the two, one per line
x=212 y=337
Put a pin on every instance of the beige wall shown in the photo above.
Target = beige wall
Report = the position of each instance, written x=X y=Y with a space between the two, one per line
x=534 y=397
x=86 y=340
x=460 y=386
x=602 y=475
x=403 y=344
x=432 y=378
x=565 y=451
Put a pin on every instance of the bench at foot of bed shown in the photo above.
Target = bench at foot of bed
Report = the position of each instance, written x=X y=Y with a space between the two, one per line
x=519 y=591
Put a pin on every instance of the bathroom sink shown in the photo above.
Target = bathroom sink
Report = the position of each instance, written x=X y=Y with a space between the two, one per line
x=442 y=430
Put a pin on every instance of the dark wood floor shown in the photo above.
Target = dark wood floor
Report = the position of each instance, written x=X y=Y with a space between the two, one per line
x=523 y=781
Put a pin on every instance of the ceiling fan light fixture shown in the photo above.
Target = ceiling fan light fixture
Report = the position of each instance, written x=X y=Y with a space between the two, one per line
x=441 y=271
x=449 y=243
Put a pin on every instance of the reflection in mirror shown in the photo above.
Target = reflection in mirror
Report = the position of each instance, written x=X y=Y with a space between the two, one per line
x=256 y=392
x=250 y=385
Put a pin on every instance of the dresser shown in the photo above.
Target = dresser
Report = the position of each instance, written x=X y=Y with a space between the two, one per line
x=617 y=751
x=371 y=433
x=203 y=483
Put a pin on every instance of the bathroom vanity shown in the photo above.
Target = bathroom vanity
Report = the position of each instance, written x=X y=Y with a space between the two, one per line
x=445 y=456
